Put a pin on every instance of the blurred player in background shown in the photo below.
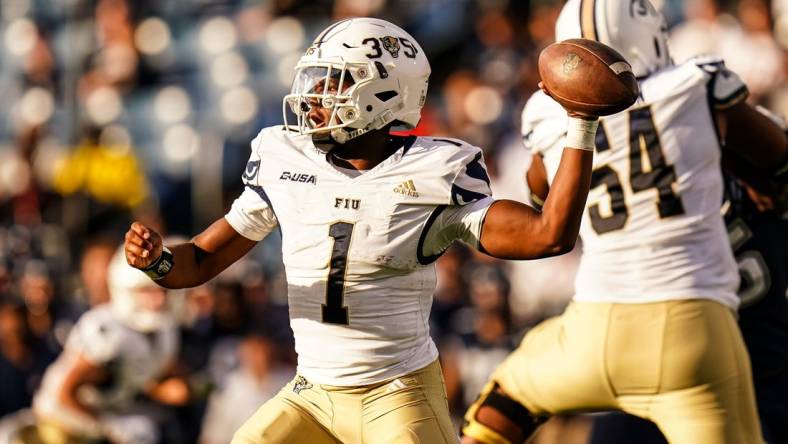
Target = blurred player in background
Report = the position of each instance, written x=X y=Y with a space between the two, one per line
x=652 y=329
x=363 y=215
x=757 y=224
x=757 y=229
x=114 y=353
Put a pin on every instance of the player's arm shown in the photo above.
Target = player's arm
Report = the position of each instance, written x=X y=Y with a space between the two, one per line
x=82 y=372
x=536 y=178
x=753 y=136
x=513 y=230
x=249 y=220
x=194 y=262
x=755 y=148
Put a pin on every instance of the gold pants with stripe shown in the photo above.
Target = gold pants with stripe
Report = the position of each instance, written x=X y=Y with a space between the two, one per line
x=409 y=409
x=682 y=364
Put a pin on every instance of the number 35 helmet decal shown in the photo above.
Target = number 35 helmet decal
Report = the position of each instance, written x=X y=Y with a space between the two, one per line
x=362 y=74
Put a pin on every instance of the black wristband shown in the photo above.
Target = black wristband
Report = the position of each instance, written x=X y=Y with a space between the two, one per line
x=161 y=266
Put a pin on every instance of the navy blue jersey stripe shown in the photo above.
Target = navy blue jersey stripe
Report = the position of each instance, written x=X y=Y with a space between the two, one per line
x=422 y=258
x=263 y=195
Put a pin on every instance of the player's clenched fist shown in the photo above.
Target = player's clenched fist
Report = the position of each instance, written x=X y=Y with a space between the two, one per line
x=143 y=246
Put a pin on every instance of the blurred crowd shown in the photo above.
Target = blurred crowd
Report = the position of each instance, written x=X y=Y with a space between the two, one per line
x=119 y=110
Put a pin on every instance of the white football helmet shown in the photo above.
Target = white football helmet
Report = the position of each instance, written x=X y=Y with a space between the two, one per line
x=366 y=73
x=634 y=28
x=124 y=281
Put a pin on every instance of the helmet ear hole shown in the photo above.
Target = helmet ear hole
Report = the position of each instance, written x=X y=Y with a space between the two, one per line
x=656 y=47
x=385 y=96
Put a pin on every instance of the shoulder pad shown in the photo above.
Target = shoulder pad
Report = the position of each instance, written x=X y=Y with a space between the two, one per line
x=472 y=182
x=97 y=335
x=269 y=136
x=263 y=139
x=457 y=173
x=725 y=87
x=543 y=123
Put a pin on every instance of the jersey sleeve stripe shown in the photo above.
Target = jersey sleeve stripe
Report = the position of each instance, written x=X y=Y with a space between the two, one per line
x=452 y=142
x=408 y=143
x=422 y=258
x=261 y=192
x=476 y=170
x=731 y=100
x=461 y=196
x=263 y=195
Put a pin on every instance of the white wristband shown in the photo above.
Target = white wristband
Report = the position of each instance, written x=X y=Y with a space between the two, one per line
x=581 y=133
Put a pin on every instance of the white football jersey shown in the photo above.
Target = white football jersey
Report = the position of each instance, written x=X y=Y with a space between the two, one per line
x=358 y=251
x=652 y=229
x=132 y=359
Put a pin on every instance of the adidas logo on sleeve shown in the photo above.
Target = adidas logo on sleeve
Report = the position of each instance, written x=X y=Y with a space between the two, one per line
x=407 y=188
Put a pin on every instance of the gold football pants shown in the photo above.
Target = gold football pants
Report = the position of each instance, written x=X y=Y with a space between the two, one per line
x=408 y=409
x=682 y=364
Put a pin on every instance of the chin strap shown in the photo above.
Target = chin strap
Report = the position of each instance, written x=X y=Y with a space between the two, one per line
x=342 y=135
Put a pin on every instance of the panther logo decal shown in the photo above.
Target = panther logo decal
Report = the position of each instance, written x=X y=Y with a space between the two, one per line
x=391 y=44
x=570 y=62
x=301 y=384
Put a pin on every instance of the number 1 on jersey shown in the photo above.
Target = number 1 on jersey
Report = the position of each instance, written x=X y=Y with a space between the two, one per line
x=333 y=312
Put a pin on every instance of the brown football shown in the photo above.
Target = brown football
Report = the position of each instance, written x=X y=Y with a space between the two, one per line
x=588 y=77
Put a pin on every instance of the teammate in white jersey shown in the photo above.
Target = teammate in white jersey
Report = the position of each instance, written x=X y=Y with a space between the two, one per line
x=651 y=329
x=115 y=352
x=363 y=214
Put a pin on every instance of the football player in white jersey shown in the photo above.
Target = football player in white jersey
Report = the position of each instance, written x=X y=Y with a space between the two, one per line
x=651 y=329
x=363 y=215
x=114 y=352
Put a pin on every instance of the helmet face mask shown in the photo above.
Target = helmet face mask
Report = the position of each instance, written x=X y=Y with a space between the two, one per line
x=358 y=75
x=321 y=96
